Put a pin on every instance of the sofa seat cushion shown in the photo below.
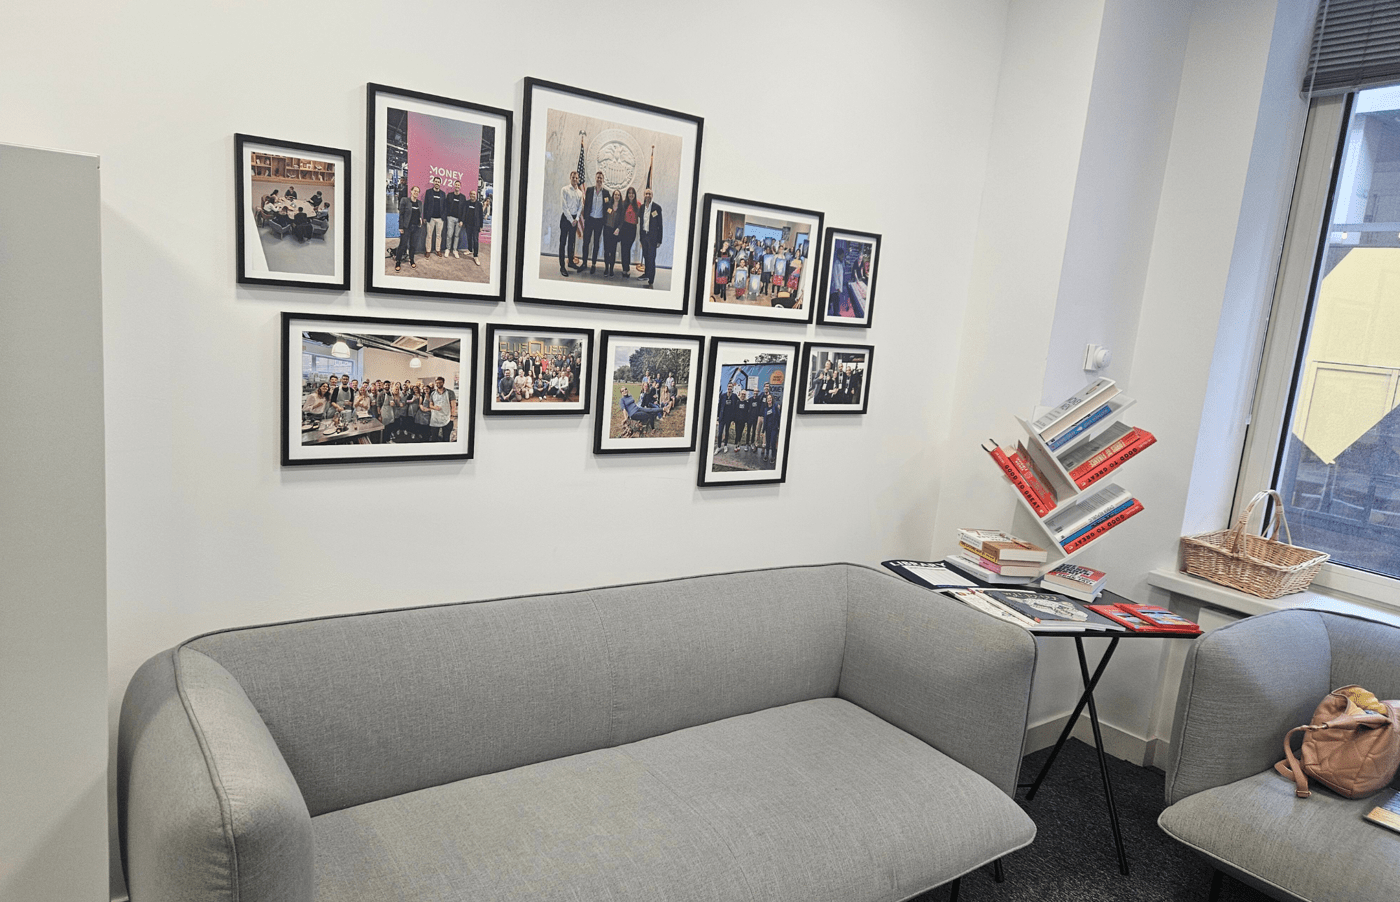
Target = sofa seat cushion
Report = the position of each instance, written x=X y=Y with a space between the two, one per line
x=818 y=800
x=1318 y=848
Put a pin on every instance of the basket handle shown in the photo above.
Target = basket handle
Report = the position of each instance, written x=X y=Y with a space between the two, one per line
x=1235 y=539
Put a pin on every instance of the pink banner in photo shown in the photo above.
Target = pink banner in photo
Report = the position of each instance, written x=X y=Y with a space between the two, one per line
x=446 y=148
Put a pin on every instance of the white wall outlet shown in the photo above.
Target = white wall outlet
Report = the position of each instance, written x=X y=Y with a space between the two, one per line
x=1096 y=357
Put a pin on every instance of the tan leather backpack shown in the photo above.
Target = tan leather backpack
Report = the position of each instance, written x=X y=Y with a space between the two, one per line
x=1352 y=745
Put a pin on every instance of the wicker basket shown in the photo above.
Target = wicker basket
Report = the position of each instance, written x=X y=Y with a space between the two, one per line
x=1261 y=566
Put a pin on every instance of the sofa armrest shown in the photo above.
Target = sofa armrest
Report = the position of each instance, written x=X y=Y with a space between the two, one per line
x=1244 y=686
x=956 y=678
x=206 y=806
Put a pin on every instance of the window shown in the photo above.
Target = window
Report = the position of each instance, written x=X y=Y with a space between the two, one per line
x=1326 y=427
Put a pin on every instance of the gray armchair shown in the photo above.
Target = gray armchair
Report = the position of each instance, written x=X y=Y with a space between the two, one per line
x=1244 y=686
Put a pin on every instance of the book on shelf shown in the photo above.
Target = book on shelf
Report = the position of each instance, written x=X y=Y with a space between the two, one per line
x=929 y=574
x=984 y=576
x=1387 y=811
x=1053 y=612
x=1161 y=618
x=1084 y=512
x=1111 y=457
x=1075 y=407
x=1103 y=526
x=1012 y=473
x=1075 y=458
x=1078 y=428
x=1008 y=568
x=999 y=546
x=1021 y=460
x=1075 y=580
x=1101 y=518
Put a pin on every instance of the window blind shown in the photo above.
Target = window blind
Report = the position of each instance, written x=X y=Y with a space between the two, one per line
x=1356 y=44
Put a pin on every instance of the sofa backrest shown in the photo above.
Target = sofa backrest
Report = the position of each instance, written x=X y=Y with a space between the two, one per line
x=369 y=706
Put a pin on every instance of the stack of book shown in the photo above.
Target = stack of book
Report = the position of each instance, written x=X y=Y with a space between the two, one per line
x=1025 y=475
x=1091 y=460
x=997 y=557
x=1089 y=518
x=1076 y=414
x=1147 y=618
x=1076 y=581
x=1039 y=611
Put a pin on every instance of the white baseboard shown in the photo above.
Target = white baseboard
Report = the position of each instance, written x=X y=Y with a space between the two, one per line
x=1118 y=743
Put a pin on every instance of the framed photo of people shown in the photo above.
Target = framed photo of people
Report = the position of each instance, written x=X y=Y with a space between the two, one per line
x=757 y=260
x=607 y=200
x=847 y=286
x=835 y=378
x=536 y=370
x=647 y=386
x=747 y=419
x=364 y=389
x=293 y=209
x=438 y=195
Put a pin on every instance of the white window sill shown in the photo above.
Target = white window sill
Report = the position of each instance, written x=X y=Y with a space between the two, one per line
x=1237 y=602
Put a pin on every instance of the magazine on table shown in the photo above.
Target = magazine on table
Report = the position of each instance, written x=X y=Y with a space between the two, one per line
x=929 y=574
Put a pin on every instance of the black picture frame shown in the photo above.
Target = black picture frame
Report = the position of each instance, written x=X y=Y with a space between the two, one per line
x=718 y=466
x=617 y=148
x=824 y=305
x=712 y=243
x=409 y=282
x=813 y=400
x=373 y=333
x=252 y=220
x=492 y=404
x=609 y=409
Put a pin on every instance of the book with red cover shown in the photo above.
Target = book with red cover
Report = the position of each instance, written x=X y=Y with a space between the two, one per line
x=1127 y=618
x=1021 y=460
x=1004 y=568
x=1104 y=527
x=1161 y=618
x=1000 y=546
x=1112 y=457
x=1014 y=475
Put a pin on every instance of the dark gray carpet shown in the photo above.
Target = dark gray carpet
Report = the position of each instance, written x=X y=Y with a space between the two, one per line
x=1073 y=857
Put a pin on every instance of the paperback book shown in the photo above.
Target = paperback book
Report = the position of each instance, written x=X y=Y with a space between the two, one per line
x=1083 y=514
x=1162 y=618
x=1111 y=457
x=1018 y=479
x=1004 y=569
x=1074 y=408
x=1387 y=812
x=1053 y=612
x=929 y=574
x=982 y=575
x=1003 y=547
x=976 y=598
x=1076 y=581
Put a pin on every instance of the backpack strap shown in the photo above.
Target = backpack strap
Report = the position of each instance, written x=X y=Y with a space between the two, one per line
x=1290 y=768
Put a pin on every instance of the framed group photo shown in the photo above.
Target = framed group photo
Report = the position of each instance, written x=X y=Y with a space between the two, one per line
x=757 y=260
x=847 y=285
x=362 y=389
x=438 y=189
x=835 y=378
x=647 y=384
x=535 y=370
x=747 y=418
x=607 y=200
x=293 y=209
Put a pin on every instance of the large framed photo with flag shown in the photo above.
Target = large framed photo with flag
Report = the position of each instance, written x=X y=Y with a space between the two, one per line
x=438 y=195
x=747 y=418
x=607 y=201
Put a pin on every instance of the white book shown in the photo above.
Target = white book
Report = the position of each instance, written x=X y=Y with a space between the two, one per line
x=1092 y=394
x=974 y=598
x=1078 y=454
x=1087 y=510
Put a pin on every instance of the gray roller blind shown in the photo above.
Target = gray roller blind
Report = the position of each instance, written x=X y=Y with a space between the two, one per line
x=1356 y=45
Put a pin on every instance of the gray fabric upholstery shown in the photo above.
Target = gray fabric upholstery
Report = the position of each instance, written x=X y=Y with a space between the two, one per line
x=817 y=801
x=1364 y=653
x=1317 y=849
x=954 y=677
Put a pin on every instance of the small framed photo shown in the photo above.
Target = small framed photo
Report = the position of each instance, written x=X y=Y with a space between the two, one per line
x=748 y=411
x=607 y=200
x=647 y=384
x=438 y=189
x=757 y=260
x=534 y=370
x=847 y=285
x=293 y=203
x=835 y=378
x=364 y=389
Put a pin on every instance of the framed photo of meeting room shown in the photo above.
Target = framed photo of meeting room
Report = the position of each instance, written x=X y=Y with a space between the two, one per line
x=608 y=191
x=438 y=195
x=369 y=390
x=757 y=260
x=293 y=210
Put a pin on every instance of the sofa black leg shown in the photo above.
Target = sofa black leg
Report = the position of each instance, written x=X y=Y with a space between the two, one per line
x=1217 y=880
x=998 y=874
x=953 y=890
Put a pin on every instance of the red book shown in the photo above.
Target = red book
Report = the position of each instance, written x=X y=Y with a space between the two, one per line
x=1112 y=457
x=1161 y=618
x=1014 y=475
x=1127 y=618
x=1020 y=459
x=1104 y=527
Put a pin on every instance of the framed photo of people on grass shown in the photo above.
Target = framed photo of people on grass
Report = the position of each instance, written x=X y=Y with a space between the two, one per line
x=438 y=195
x=757 y=260
x=847 y=284
x=293 y=203
x=607 y=201
x=368 y=390
x=748 y=411
x=835 y=378
x=536 y=370
x=647 y=385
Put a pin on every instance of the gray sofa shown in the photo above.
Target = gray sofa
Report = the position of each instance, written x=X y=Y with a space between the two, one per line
x=813 y=733
x=1245 y=685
